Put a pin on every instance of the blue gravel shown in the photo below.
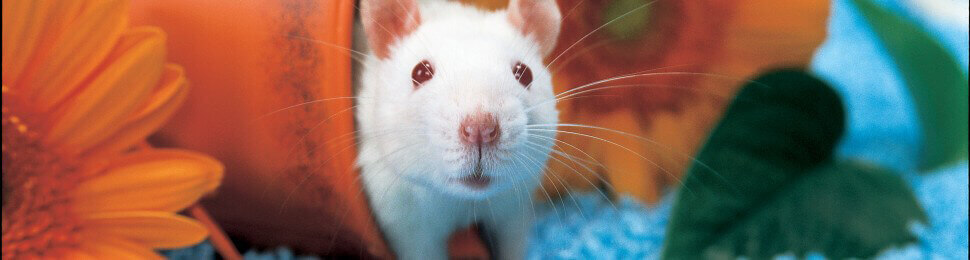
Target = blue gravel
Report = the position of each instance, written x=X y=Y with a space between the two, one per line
x=599 y=229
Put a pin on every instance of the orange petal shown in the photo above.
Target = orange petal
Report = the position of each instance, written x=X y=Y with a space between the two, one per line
x=131 y=72
x=29 y=25
x=22 y=22
x=79 y=42
x=168 y=97
x=164 y=180
x=104 y=246
x=149 y=228
x=78 y=254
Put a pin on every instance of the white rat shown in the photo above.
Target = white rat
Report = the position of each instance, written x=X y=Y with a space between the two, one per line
x=449 y=100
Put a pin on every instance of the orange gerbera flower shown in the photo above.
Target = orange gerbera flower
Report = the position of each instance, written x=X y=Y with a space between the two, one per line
x=81 y=91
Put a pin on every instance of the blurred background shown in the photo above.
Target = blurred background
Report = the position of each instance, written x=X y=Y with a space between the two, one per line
x=716 y=129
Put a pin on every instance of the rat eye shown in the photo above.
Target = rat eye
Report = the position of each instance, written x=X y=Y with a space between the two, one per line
x=522 y=73
x=421 y=73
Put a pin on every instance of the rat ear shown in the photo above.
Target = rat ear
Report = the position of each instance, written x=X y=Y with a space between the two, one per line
x=539 y=18
x=387 y=21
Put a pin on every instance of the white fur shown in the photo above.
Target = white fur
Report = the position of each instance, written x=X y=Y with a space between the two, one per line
x=410 y=154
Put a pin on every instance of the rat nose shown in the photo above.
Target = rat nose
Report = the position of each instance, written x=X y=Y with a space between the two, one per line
x=479 y=130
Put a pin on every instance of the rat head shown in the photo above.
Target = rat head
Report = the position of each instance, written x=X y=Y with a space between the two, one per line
x=455 y=98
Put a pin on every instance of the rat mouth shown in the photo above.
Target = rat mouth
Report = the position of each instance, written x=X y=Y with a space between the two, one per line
x=476 y=181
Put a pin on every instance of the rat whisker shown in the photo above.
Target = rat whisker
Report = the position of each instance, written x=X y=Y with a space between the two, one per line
x=541 y=186
x=597 y=29
x=581 y=97
x=331 y=140
x=573 y=57
x=643 y=139
x=491 y=212
x=508 y=173
x=571 y=95
x=303 y=138
x=579 y=174
x=359 y=55
x=574 y=158
x=672 y=73
x=316 y=101
x=412 y=19
x=397 y=177
x=571 y=146
x=628 y=76
x=310 y=173
x=671 y=175
x=531 y=201
x=569 y=192
x=571 y=10
x=617 y=77
x=600 y=178
x=381 y=26
x=343 y=137
x=361 y=191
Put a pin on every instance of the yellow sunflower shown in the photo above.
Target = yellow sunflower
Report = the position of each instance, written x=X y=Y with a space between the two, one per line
x=81 y=91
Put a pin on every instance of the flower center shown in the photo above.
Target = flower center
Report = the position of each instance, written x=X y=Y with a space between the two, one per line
x=38 y=219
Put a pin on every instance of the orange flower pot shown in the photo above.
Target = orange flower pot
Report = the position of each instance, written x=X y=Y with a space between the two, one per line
x=290 y=179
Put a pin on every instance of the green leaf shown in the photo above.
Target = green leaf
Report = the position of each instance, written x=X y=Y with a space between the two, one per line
x=769 y=184
x=934 y=78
